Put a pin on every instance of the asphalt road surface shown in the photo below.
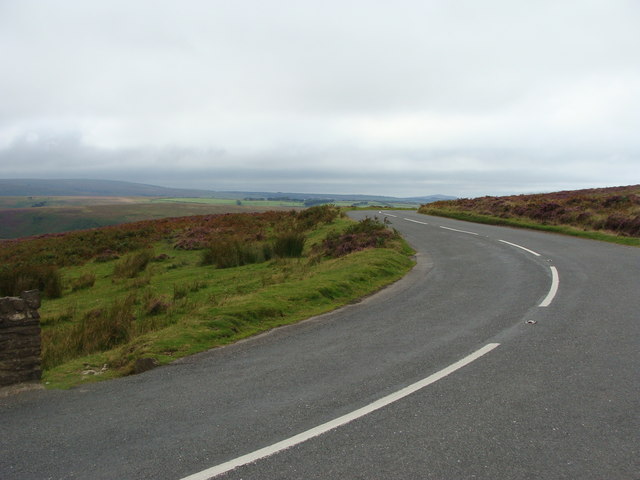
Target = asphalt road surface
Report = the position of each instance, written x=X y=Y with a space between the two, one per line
x=548 y=327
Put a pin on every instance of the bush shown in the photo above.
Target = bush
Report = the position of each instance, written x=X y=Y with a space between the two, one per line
x=98 y=330
x=367 y=233
x=156 y=306
x=106 y=256
x=229 y=253
x=313 y=216
x=86 y=280
x=289 y=245
x=46 y=278
x=131 y=265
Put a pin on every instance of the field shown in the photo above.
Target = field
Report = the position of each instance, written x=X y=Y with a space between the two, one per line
x=162 y=289
x=37 y=215
x=610 y=214
x=28 y=216
x=255 y=202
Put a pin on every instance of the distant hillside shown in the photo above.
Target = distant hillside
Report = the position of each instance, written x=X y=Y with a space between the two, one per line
x=614 y=210
x=25 y=222
x=111 y=188
x=85 y=187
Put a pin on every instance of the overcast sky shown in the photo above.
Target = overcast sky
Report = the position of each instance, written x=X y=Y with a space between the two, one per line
x=395 y=97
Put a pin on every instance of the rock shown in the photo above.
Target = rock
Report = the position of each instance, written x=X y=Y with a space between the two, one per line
x=20 y=338
x=32 y=298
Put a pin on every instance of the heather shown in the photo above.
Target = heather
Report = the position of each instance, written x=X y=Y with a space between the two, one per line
x=168 y=288
x=606 y=211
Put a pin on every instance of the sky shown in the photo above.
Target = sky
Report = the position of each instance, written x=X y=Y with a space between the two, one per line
x=400 y=97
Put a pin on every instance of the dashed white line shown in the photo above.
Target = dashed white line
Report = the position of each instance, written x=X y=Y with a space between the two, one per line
x=555 y=282
x=520 y=246
x=456 y=230
x=338 y=422
x=415 y=221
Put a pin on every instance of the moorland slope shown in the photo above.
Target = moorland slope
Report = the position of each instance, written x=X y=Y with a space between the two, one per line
x=163 y=289
x=604 y=213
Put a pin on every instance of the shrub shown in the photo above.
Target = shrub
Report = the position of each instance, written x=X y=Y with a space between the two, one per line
x=313 y=216
x=228 y=253
x=98 y=330
x=367 y=233
x=51 y=282
x=86 y=280
x=180 y=291
x=103 y=329
x=156 y=306
x=366 y=225
x=622 y=224
x=106 y=256
x=131 y=265
x=46 y=278
x=289 y=245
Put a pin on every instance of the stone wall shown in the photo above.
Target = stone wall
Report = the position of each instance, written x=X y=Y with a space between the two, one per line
x=20 y=338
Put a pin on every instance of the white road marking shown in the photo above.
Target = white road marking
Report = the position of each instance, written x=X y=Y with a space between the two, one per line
x=520 y=246
x=415 y=221
x=456 y=230
x=555 y=282
x=338 y=422
x=387 y=214
x=555 y=278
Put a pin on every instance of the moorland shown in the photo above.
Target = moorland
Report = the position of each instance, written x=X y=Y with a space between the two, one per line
x=158 y=290
x=30 y=216
x=610 y=214
x=35 y=206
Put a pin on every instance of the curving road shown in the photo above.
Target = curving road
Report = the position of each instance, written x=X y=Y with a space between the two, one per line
x=554 y=391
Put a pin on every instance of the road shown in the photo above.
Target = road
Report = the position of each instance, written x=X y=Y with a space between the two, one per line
x=557 y=395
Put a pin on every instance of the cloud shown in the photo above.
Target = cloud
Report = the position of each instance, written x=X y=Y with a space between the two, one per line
x=475 y=97
x=396 y=172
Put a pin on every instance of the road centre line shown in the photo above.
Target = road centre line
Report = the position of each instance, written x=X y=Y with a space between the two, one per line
x=340 y=421
x=387 y=214
x=520 y=246
x=555 y=282
x=555 y=277
x=415 y=221
x=456 y=230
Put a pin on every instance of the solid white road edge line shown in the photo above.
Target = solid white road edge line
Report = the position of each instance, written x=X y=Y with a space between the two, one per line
x=555 y=282
x=456 y=230
x=520 y=246
x=415 y=221
x=333 y=424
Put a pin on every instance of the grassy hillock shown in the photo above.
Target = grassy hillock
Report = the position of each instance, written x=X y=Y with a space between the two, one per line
x=611 y=214
x=168 y=288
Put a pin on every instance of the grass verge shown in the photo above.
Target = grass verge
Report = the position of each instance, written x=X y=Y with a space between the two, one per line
x=174 y=305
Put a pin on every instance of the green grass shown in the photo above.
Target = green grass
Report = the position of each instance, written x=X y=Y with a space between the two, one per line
x=172 y=306
x=528 y=224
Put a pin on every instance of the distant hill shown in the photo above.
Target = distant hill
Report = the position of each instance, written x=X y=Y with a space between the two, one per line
x=111 y=188
x=21 y=187
x=34 y=206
